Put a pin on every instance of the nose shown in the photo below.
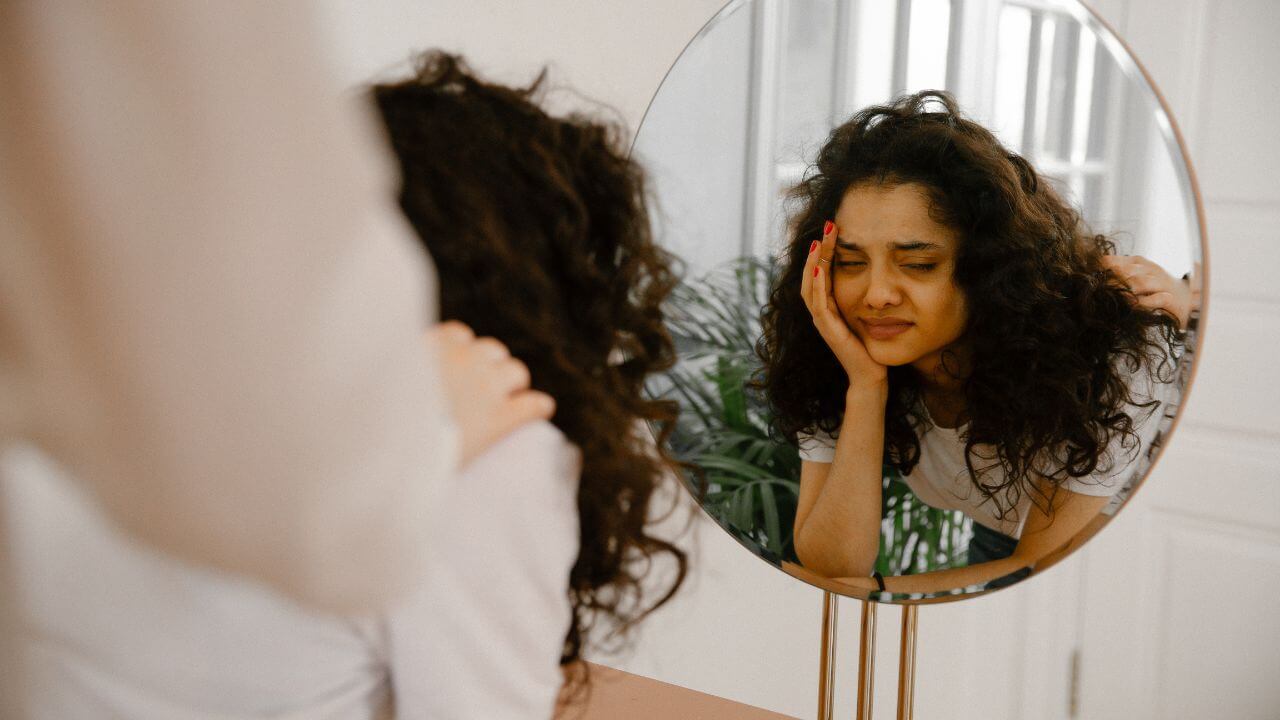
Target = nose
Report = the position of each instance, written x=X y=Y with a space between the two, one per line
x=882 y=289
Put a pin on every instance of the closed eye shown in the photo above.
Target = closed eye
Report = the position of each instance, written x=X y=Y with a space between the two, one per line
x=923 y=267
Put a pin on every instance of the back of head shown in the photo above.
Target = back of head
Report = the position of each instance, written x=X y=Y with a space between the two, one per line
x=539 y=230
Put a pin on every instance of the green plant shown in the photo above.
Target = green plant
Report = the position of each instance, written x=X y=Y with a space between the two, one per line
x=746 y=479
x=915 y=537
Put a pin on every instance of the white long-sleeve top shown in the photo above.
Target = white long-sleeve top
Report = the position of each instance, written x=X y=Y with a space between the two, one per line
x=112 y=628
x=210 y=310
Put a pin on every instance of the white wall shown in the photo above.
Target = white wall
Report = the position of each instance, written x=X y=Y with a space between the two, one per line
x=614 y=52
x=1198 y=553
x=1184 y=630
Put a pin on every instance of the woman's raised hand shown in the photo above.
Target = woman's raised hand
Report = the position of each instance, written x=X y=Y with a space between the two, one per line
x=488 y=389
x=1154 y=287
x=816 y=290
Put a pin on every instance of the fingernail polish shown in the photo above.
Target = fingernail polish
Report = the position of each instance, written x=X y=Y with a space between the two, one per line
x=813 y=246
x=826 y=229
x=815 y=271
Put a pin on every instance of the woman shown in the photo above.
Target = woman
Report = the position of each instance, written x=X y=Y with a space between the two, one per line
x=539 y=230
x=957 y=323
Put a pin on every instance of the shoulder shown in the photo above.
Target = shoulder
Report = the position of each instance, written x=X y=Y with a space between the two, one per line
x=1154 y=385
x=534 y=434
x=525 y=485
x=496 y=603
x=538 y=451
x=1159 y=368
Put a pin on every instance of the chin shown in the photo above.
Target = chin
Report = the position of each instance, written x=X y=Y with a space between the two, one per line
x=889 y=356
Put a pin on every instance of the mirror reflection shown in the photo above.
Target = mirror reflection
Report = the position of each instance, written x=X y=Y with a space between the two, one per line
x=929 y=345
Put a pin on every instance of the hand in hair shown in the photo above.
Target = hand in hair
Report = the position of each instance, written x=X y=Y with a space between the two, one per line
x=816 y=289
x=1155 y=288
x=488 y=389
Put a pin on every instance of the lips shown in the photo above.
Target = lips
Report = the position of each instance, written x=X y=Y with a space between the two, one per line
x=885 y=328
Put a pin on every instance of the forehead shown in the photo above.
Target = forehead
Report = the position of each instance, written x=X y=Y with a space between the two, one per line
x=874 y=216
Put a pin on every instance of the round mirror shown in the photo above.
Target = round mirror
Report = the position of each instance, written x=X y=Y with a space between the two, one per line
x=942 y=297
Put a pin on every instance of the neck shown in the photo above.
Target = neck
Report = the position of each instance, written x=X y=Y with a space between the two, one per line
x=942 y=390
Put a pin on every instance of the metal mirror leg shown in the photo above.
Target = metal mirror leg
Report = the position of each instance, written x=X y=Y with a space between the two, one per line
x=907 y=664
x=867 y=660
x=827 y=661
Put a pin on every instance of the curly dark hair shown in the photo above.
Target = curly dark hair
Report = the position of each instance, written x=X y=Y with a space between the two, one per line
x=539 y=229
x=1052 y=334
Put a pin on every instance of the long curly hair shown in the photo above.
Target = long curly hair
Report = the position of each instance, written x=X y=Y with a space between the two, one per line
x=539 y=229
x=1053 y=337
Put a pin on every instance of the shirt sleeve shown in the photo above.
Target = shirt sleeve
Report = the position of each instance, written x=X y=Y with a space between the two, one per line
x=209 y=307
x=496 y=604
x=817 y=446
x=1152 y=399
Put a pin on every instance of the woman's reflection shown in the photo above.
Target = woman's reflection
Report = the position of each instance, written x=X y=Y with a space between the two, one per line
x=956 y=321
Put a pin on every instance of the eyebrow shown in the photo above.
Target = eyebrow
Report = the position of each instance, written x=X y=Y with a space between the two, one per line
x=910 y=245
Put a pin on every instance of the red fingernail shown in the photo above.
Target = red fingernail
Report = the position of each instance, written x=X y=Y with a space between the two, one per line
x=826 y=229
x=815 y=271
x=813 y=246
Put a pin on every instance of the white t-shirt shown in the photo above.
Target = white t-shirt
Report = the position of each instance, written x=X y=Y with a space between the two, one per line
x=112 y=628
x=941 y=478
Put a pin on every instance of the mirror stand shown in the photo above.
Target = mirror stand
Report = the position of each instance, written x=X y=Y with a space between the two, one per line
x=906 y=663
x=827 y=660
x=866 y=660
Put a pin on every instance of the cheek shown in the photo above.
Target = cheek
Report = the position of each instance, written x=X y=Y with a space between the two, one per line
x=945 y=306
x=953 y=314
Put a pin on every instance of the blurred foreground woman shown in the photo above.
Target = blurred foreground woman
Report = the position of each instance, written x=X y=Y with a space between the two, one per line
x=541 y=240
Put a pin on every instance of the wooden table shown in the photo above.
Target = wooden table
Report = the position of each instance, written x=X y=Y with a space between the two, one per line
x=618 y=695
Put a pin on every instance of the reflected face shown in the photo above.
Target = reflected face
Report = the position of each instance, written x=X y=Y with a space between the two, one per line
x=894 y=275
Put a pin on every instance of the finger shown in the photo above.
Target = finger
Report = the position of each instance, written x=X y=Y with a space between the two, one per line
x=1133 y=274
x=525 y=407
x=819 y=263
x=818 y=292
x=1144 y=284
x=806 y=275
x=1137 y=264
x=490 y=349
x=450 y=332
x=828 y=248
x=826 y=317
x=1128 y=272
x=832 y=318
x=822 y=303
x=1157 y=301
x=511 y=375
x=1121 y=265
x=818 y=305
